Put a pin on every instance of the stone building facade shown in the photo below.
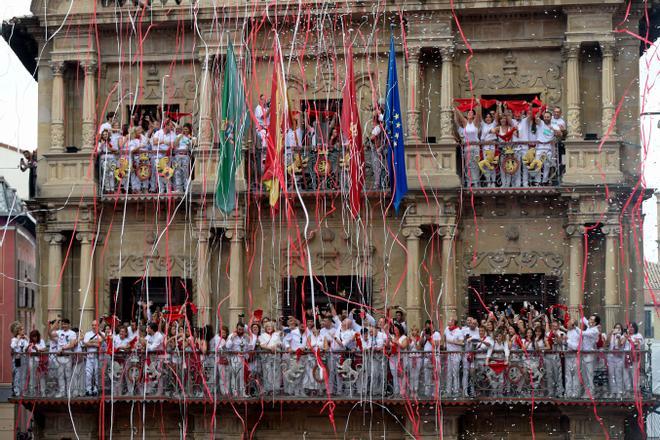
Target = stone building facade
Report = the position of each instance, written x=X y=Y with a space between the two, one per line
x=100 y=55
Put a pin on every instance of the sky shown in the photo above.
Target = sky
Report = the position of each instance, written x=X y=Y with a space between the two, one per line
x=18 y=115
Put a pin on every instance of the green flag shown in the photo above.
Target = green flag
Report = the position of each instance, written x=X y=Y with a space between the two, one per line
x=234 y=125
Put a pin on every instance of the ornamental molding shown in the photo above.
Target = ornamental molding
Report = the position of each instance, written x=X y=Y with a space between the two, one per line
x=499 y=261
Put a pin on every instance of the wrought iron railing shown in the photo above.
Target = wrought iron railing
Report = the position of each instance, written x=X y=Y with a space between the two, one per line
x=144 y=172
x=320 y=169
x=494 y=164
x=348 y=375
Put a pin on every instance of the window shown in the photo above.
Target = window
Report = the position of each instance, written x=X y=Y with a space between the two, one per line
x=161 y=291
x=648 y=324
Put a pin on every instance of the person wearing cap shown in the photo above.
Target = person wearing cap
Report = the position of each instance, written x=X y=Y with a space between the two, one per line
x=67 y=340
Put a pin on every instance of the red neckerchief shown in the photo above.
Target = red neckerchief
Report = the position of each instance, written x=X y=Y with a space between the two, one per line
x=507 y=136
x=452 y=327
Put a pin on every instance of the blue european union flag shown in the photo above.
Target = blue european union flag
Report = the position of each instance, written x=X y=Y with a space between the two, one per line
x=396 y=158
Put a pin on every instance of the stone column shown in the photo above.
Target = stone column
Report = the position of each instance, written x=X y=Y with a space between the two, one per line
x=202 y=295
x=611 y=275
x=608 y=87
x=55 y=241
x=447 y=94
x=236 y=280
x=413 y=95
x=57 y=108
x=205 y=102
x=86 y=298
x=575 y=292
x=574 y=119
x=89 y=106
x=448 y=272
x=413 y=289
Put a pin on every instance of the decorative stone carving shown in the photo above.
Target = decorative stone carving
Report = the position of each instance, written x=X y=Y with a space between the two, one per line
x=54 y=238
x=549 y=80
x=57 y=135
x=412 y=232
x=447 y=54
x=89 y=67
x=501 y=260
x=512 y=233
x=235 y=234
x=57 y=67
x=136 y=265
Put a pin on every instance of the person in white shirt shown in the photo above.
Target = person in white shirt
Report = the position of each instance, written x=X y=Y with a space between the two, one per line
x=470 y=335
x=432 y=361
x=270 y=343
x=107 y=125
x=37 y=366
x=470 y=125
x=498 y=352
x=221 y=373
x=140 y=170
x=238 y=344
x=487 y=128
x=415 y=347
x=181 y=158
x=378 y=160
x=53 y=366
x=571 y=368
x=330 y=335
x=313 y=382
x=162 y=143
x=558 y=122
x=587 y=360
x=262 y=116
x=155 y=343
x=545 y=136
x=66 y=342
x=552 y=361
x=396 y=359
x=92 y=340
x=107 y=153
x=294 y=362
x=633 y=346
x=19 y=344
x=522 y=134
x=78 y=370
x=615 y=342
x=374 y=361
x=455 y=342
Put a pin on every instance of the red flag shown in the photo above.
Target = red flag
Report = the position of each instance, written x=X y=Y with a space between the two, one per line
x=352 y=136
x=537 y=101
x=273 y=177
x=464 y=104
x=487 y=103
x=517 y=106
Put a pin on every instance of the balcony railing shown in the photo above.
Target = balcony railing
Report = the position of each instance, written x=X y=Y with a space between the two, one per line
x=511 y=164
x=321 y=169
x=556 y=376
x=144 y=172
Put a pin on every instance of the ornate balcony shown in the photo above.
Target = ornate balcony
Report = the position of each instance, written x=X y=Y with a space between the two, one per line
x=350 y=376
x=511 y=166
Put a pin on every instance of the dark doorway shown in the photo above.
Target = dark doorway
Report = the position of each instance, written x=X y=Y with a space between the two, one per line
x=344 y=292
x=501 y=291
x=159 y=290
x=153 y=111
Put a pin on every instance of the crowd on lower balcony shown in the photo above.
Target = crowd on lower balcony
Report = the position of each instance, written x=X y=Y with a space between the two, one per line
x=151 y=156
x=347 y=355
x=512 y=147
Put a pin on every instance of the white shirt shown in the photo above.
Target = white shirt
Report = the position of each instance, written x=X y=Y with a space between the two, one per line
x=498 y=349
x=184 y=143
x=347 y=338
x=39 y=346
x=590 y=338
x=162 y=141
x=637 y=340
x=453 y=337
x=471 y=132
x=237 y=343
x=64 y=338
x=89 y=336
x=328 y=335
x=485 y=344
x=558 y=123
x=544 y=133
x=573 y=339
x=435 y=338
x=270 y=341
x=119 y=343
x=293 y=340
x=259 y=113
x=472 y=333
x=217 y=344
x=486 y=134
x=376 y=342
x=18 y=345
x=155 y=342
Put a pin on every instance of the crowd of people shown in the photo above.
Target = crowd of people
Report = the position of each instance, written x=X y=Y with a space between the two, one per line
x=150 y=156
x=504 y=148
x=348 y=354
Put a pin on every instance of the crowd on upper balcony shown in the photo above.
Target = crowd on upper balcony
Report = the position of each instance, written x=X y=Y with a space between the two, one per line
x=315 y=158
x=347 y=353
x=512 y=144
x=149 y=156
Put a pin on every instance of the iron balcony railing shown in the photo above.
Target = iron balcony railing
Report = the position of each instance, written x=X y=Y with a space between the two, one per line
x=494 y=164
x=320 y=169
x=144 y=172
x=561 y=375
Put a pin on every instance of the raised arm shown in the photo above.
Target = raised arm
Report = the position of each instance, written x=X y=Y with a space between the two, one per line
x=459 y=118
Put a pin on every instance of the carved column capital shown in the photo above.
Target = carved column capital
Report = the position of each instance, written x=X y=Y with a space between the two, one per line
x=571 y=50
x=57 y=67
x=90 y=67
x=85 y=237
x=414 y=54
x=607 y=48
x=611 y=230
x=412 y=232
x=447 y=54
x=235 y=234
x=447 y=231
x=575 y=231
x=54 y=238
x=202 y=235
